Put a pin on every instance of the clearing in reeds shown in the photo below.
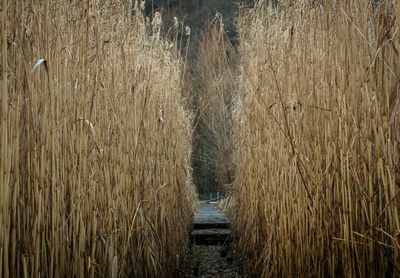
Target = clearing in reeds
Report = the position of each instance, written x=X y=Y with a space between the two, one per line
x=317 y=135
x=95 y=175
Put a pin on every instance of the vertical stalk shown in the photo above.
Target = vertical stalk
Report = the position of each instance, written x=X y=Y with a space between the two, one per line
x=4 y=160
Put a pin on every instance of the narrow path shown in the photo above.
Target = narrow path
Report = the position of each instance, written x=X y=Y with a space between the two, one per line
x=211 y=251
x=210 y=216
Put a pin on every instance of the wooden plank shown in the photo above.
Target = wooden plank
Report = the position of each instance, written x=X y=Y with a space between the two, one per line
x=209 y=215
x=211 y=237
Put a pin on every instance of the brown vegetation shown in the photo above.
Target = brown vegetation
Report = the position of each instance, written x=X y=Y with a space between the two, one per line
x=95 y=142
x=317 y=134
x=95 y=175
x=214 y=82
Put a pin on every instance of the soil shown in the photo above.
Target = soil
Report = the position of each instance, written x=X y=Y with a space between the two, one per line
x=212 y=261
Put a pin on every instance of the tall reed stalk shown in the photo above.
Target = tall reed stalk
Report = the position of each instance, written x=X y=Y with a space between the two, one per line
x=95 y=144
x=215 y=74
x=317 y=136
x=4 y=151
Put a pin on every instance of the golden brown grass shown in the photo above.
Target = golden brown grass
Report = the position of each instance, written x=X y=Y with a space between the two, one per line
x=95 y=175
x=317 y=139
x=214 y=74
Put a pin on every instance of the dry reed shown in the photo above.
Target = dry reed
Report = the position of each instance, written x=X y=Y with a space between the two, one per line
x=95 y=175
x=317 y=135
x=215 y=75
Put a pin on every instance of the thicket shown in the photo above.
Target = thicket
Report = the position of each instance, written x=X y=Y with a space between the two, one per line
x=317 y=139
x=214 y=79
x=95 y=174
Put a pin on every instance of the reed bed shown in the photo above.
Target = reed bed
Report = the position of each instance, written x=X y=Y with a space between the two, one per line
x=215 y=73
x=95 y=175
x=317 y=136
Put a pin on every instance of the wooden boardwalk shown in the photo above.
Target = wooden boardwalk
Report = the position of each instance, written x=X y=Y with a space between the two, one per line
x=211 y=251
x=210 y=225
x=210 y=216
